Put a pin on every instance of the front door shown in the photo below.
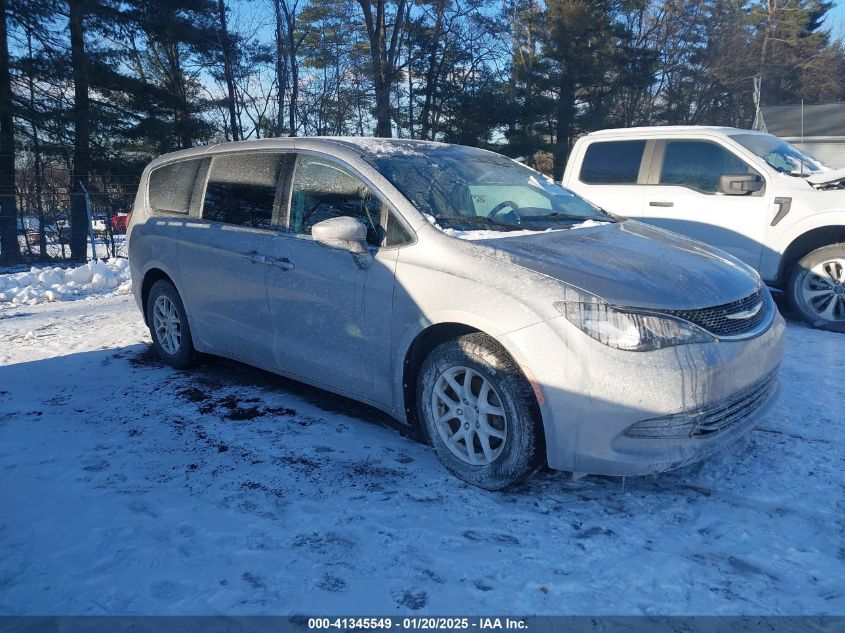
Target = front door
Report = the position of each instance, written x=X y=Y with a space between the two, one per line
x=331 y=309
x=682 y=196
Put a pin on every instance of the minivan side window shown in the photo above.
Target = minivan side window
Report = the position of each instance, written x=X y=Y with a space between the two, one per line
x=171 y=187
x=322 y=190
x=699 y=165
x=244 y=189
x=612 y=163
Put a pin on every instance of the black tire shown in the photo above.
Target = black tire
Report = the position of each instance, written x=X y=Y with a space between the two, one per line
x=799 y=275
x=520 y=453
x=185 y=355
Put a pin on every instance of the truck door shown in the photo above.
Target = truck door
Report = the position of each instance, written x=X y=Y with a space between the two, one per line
x=682 y=195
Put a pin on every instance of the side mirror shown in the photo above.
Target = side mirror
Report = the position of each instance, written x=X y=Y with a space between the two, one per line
x=345 y=233
x=740 y=184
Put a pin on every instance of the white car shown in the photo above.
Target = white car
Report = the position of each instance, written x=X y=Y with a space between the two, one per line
x=748 y=193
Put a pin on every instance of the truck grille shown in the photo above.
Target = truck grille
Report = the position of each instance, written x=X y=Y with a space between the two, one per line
x=710 y=419
x=731 y=319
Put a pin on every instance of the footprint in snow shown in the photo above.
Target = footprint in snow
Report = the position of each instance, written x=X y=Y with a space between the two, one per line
x=491 y=537
x=142 y=507
x=332 y=584
x=167 y=590
x=594 y=531
x=414 y=600
x=256 y=582
x=96 y=466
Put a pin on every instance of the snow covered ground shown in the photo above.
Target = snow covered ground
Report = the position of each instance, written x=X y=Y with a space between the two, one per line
x=130 y=488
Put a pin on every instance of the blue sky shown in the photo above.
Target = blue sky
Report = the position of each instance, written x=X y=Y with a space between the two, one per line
x=836 y=17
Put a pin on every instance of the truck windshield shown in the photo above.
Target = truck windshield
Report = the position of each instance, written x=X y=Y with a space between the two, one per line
x=779 y=154
x=465 y=189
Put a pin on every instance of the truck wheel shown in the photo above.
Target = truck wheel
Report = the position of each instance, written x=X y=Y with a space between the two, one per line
x=169 y=325
x=817 y=288
x=479 y=412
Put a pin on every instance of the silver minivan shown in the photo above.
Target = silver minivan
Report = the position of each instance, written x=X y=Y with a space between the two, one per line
x=513 y=322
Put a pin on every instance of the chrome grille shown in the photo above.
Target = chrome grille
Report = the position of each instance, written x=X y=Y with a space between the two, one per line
x=727 y=319
x=710 y=419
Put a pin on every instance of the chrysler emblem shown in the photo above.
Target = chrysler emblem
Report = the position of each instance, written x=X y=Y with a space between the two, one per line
x=745 y=314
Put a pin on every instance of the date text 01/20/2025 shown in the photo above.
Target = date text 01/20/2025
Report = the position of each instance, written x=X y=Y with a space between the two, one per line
x=422 y=623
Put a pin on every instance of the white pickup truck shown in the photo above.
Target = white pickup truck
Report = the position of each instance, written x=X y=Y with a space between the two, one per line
x=748 y=193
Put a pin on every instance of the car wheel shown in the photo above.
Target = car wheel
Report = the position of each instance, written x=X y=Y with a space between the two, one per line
x=169 y=325
x=817 y=288
x=479 y=412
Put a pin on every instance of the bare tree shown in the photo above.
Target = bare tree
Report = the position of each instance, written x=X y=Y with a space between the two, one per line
x=385 y=46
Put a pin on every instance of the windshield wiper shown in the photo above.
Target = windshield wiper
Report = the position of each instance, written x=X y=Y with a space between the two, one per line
x=566 y=217
x=477 y=219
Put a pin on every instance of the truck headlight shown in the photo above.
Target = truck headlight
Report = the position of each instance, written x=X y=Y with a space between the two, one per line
x=628 y=328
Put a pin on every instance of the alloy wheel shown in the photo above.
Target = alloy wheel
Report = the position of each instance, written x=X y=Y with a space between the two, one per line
x=167 y=325
x=823 y=290
x=469 y=415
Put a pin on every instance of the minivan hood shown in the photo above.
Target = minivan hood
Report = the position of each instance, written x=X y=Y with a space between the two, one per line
x=629 y=263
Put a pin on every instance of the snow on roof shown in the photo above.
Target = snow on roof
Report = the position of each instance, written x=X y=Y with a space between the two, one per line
x=386 y=146
x=369 y=145
x=666 y=129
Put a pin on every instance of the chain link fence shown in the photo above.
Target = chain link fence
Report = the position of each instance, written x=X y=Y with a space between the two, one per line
x=44 y=218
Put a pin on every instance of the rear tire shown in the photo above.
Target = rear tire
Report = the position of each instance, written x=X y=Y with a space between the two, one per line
x=479 y=412
x=168 y=325
x=817 y=288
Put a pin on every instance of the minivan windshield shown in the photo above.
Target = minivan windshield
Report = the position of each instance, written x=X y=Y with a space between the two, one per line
x=465 y=189
x=786 y=158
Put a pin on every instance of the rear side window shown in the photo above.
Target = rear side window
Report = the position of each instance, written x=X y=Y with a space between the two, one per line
x=612 y=163
x=244 y=189
x=698 y=165
x=171 y=187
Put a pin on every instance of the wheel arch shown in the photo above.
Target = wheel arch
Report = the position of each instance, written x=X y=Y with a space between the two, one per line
x=422 y=345
x=806 y=243
x=152 y=275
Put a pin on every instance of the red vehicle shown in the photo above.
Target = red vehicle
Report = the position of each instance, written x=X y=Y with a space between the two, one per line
x=119 y=222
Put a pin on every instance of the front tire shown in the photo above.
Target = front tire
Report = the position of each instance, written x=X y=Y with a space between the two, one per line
x=817 y=288
x=168 y=325
x=479 y=412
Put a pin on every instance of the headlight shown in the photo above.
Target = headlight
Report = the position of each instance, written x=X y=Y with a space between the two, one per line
x=628 y=329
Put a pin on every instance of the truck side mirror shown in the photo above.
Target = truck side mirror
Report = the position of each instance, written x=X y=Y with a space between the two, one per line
x=740 y=184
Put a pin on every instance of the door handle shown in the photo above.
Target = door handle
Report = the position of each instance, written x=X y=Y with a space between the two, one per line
x=661 y=203
x=281 y=262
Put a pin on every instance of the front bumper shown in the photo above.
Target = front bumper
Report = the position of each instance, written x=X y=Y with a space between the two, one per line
x=613 y=412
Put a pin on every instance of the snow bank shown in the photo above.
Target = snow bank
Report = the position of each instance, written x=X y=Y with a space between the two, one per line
x=40 y=285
